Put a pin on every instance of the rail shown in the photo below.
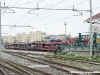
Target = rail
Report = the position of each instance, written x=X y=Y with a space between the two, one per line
x=2 y=72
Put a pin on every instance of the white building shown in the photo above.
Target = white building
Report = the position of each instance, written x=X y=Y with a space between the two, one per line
x=24 y=37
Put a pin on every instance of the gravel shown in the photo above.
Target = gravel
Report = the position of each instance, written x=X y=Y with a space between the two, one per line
x=30 y=63
x=49 y=69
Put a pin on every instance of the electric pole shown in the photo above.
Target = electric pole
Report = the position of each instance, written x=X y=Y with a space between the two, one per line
x=91 y=51
x=0 y=29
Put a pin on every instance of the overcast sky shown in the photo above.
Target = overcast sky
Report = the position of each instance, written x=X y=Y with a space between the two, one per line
x=50 y=21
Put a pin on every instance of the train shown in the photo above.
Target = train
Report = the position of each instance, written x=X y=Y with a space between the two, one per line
x=34 y=46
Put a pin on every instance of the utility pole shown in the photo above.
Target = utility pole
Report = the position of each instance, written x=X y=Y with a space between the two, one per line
x=0 y=29
x=91 y=51
x=65 y=23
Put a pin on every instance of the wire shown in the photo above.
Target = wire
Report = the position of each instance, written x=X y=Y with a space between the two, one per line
x=96 y=8
x=16 y=2
x=45 y=11
x=69 y=6
x=23 y=16
x=6 y=9
x=55 y=12
x=27 y=3
x=8 y=20
x=78 y=5
x=55 y=21
x=9 y=5
x=56 y=3
x=18 y=20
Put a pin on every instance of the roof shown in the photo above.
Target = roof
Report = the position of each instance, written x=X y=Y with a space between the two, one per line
x=95 y=17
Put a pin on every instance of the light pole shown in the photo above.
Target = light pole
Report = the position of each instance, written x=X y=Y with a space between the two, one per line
x=65 y=23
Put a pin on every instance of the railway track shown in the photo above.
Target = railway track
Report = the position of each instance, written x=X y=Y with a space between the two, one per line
x=9 y=70
x=49 y=71
x=72 y=59
x=63 y=71
x=17 y=69
x=2 y=72
x=52 y=64
x=14 y=67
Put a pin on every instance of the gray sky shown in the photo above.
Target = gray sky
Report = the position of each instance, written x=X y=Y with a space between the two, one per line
x=50 y=21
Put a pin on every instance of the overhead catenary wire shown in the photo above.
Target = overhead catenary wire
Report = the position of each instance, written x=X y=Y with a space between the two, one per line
x=78 y=5
x=39 y=8
x=45 y=10
x=25 y=15
x=16 y=2
x=6 y=9
x=54 y=21
x=56 y=12
x=54 y=4
x=95 y=8
x=8 y=20
x=26 y=3
x=59 y=2
x=16 y=22
x=22 y=17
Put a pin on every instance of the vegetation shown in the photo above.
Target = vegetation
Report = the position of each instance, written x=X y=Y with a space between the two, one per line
x=88 y=65
x=59 y=60
x=66 y=56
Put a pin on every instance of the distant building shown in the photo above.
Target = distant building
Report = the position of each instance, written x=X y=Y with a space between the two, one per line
x=18 y=37
x=33 y=36
x=8 y=39
x=24 y=37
